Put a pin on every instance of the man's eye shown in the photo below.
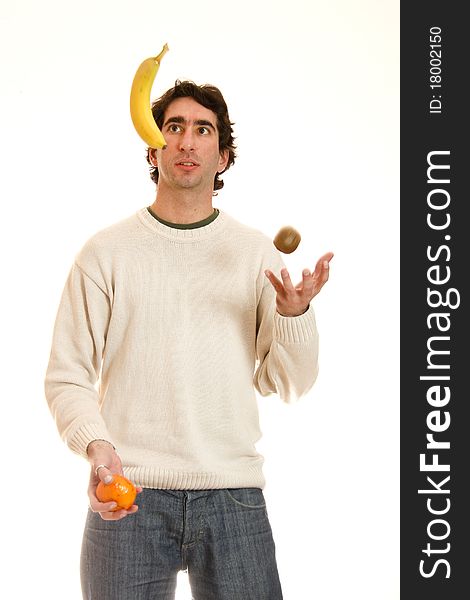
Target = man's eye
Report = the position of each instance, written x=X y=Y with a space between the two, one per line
x=204 y=130
x=174 y=128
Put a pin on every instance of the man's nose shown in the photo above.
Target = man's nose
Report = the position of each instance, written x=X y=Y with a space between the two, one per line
x=187 y=141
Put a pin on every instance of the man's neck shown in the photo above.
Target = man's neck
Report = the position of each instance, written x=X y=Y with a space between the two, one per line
x=182 y=207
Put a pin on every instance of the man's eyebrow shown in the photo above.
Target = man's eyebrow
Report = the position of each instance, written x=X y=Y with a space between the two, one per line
x=179 y=119
x=204 y=122
x=174 y=120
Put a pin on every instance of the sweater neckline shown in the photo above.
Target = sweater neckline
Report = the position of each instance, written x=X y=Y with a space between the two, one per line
x=182 y=235
x=194 y=225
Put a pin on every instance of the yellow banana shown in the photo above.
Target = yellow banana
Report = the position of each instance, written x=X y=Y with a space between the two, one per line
x=141 y=109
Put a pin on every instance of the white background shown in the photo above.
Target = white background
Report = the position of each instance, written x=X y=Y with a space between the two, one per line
x=313 y=88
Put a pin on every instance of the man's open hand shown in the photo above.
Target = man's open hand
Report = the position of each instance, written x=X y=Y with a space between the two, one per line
x=293 y=301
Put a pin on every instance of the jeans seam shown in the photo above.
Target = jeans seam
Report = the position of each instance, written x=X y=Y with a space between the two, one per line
x=254 y=506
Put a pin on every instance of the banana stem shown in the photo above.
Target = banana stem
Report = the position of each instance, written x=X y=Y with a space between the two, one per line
x=162 y=53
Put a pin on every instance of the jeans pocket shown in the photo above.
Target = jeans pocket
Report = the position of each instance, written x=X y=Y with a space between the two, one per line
x=247 y=497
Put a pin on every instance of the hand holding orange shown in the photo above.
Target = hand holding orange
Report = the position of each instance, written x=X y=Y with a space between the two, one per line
x=120 y=490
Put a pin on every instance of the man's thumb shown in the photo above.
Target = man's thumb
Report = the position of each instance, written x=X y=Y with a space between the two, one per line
x=104 y=473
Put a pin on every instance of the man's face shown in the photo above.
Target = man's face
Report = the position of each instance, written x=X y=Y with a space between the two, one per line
x=191 y=158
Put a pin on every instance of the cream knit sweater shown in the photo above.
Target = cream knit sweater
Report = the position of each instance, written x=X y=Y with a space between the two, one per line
x=162 y=336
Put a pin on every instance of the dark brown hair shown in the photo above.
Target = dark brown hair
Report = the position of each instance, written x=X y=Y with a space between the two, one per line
x=210 y=97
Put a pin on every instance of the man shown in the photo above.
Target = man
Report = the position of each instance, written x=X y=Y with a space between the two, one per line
x=179 y=313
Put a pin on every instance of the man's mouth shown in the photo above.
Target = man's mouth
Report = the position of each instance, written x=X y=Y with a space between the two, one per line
x=187 y=165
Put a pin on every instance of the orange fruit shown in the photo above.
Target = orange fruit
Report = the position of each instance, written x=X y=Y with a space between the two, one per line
x=120 y=490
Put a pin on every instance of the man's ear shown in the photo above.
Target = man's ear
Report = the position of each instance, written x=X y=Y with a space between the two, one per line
x=223 y=160
x=153 y=157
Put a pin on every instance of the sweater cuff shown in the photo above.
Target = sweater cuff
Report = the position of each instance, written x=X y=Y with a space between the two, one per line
x=295 y=330
x=86 y=434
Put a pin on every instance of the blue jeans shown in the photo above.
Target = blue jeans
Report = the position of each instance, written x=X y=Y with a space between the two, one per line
x=221 y=537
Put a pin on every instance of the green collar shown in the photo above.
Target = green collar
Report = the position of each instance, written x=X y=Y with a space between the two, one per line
x=202 y=223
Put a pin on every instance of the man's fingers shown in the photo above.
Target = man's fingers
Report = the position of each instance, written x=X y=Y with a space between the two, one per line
x=307 y=282
x=327 y=256
x=113 y=516
x=103 y=473
x=323 y=263
x=322 y=267
x=290 y=300
x=101 y=507
x=286 y=279
x=106 y=512
x=119 y=514
x=306 y=278
x=274 y=281
x=286 y=286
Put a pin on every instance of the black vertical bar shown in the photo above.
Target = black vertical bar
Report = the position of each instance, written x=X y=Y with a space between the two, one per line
x=435 y=357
